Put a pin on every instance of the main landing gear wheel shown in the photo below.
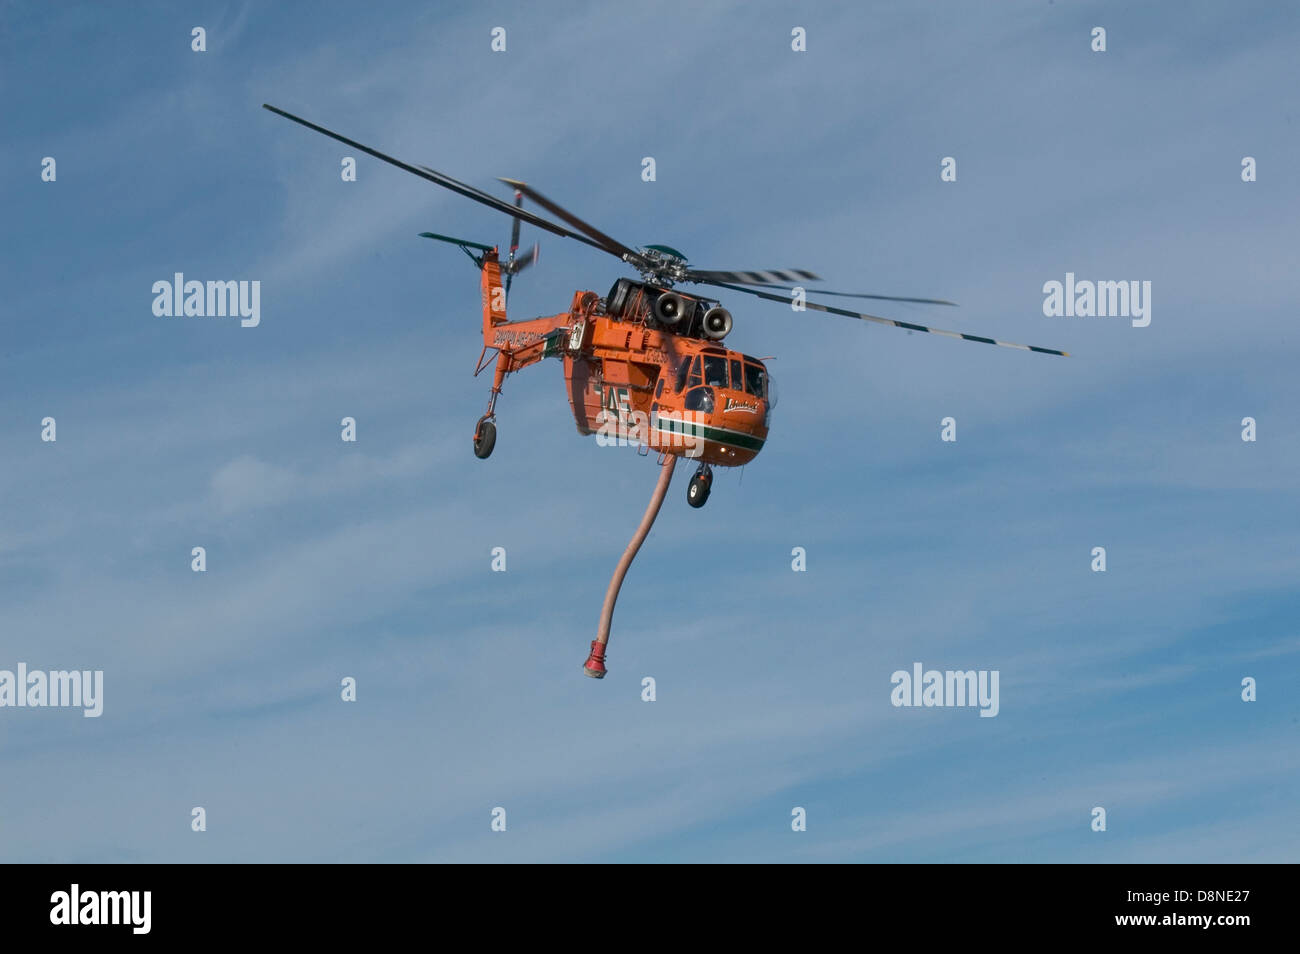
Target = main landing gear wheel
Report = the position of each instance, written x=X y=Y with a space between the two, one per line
x=697 y=491
x=485 y=438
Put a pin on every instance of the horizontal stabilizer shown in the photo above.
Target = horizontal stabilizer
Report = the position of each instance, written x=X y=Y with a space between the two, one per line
x=463 y=243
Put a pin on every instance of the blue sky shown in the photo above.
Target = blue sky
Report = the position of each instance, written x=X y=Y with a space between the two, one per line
x=372 y=559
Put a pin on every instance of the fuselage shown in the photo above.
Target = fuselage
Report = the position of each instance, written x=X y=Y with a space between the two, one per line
x=676 y=395
x=633 y=380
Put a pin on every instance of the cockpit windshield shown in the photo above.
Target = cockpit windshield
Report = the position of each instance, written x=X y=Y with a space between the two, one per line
x=755 y=380
x=715 y=371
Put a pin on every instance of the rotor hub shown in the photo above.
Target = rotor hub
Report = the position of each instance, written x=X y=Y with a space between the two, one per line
x=660 y=264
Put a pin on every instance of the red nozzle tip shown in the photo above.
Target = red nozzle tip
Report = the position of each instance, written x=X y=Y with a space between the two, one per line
x=595 y=664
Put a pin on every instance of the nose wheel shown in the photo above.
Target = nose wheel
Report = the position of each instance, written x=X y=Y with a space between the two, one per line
x=697 y=491
x=485 y=437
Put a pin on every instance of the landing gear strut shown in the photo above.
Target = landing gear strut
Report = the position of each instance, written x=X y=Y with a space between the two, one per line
x=697 y=491
x=485 y=431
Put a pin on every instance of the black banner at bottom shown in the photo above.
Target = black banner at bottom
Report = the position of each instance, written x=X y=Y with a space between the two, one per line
x=134 y=903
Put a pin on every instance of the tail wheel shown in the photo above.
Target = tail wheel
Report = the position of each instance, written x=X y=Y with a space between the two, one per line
x=697 y=491
x=485 y=438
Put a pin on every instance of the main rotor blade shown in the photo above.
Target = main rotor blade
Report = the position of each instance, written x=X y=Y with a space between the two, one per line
x=837 y=294
x=770 y=276
x=447 y=182
x=611 y=245
x=891 y=321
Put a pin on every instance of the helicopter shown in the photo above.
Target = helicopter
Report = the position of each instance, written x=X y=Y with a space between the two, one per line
x=645 y=363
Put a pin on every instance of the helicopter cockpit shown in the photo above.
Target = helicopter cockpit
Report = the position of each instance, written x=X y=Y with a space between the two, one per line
x=701 y=376
x=730 y=369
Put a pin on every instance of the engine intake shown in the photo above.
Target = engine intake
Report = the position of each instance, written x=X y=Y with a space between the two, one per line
x=670 y=307
x=717 y=323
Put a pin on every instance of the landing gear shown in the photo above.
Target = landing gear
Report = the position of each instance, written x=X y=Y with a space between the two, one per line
x=485 y=437
x=485 y=431
x=697 y=491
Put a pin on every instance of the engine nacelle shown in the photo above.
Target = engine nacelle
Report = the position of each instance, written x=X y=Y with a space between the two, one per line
x=670 y=308
x=717 y=323
x=620 y=296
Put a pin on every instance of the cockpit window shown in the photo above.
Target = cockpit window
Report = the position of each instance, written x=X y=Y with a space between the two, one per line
x=682 y=370
x=715 y=371
x=737 y=376
x=695 y=378
x=755 y=380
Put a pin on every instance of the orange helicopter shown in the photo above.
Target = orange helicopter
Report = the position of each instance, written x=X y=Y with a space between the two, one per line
x=644 y=365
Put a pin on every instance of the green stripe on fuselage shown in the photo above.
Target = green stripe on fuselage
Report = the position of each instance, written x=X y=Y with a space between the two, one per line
x=717 y=435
